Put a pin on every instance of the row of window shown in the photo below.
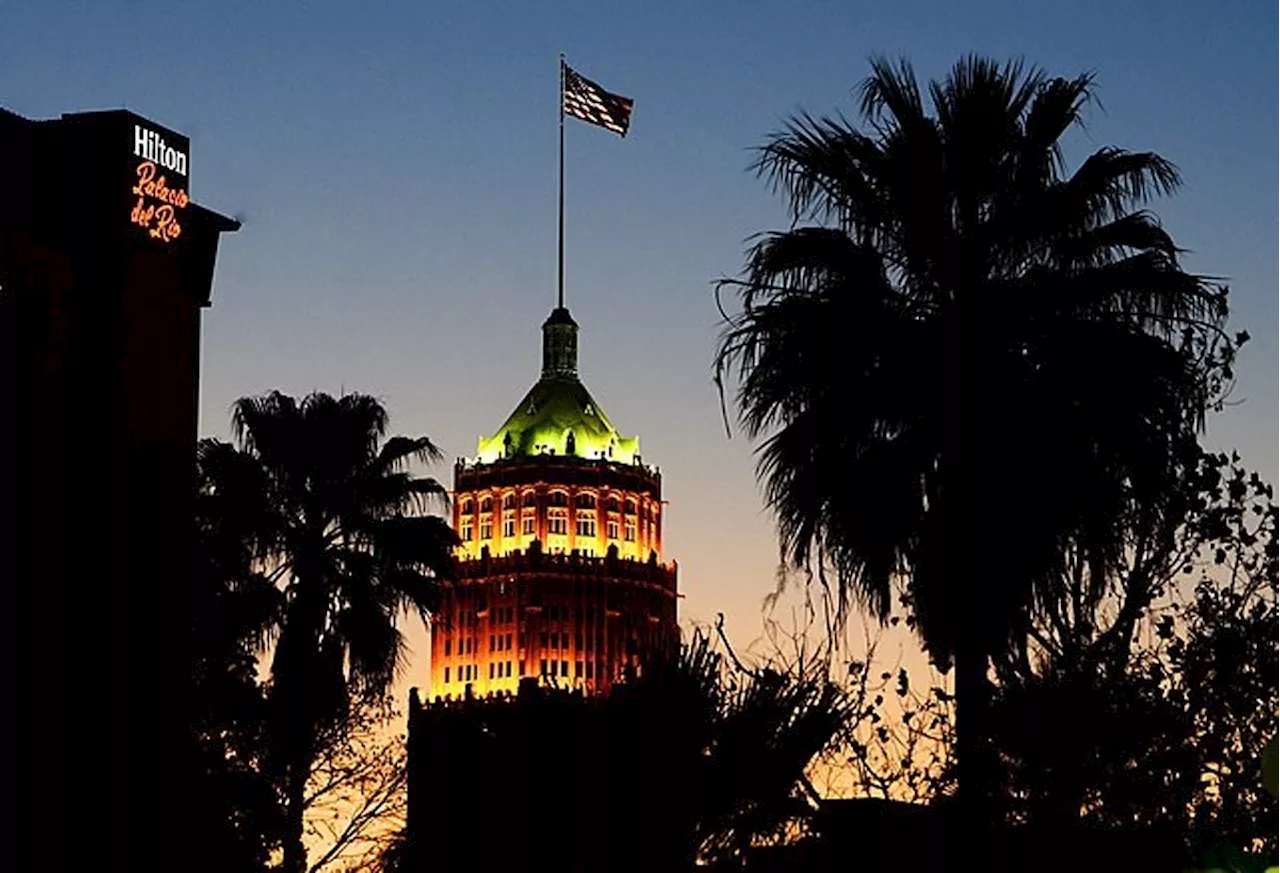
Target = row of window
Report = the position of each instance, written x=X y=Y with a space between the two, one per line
x=556 y=524
x=466 y=673
x=580 y=669
x=466 y=612
x=469 y=672
x=507 y=614
x=466 y=646
x=505 y=642
x=503 y=670
x=583 y=500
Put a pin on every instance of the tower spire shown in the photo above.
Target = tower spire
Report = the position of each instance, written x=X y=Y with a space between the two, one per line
x=560 y=345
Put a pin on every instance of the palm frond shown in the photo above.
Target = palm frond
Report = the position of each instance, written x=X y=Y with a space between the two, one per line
x=1112 y=181
x=397 y=450
x=266 y=426
x=425 y=542
x=824 y=168
x=1057 y=107
x=891 y=94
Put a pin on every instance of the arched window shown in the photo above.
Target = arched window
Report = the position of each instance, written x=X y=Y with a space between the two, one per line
x=631 y=506
x=585 y=500
x=558 y=498
x=509 y=501
x=466 y=506
x=613 y=504
x=530 y=499
x=486 y=504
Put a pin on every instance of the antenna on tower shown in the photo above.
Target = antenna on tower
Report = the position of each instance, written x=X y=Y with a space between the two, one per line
x=560 y=265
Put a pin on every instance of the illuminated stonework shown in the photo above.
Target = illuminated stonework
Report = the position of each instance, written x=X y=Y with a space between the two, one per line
x=561 y=573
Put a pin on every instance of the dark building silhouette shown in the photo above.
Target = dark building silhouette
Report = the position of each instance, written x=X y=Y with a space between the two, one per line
x=105 y=265
x=530 y=782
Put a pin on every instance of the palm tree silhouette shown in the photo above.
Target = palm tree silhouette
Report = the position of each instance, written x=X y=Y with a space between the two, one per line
x=336 y=528
x=962 y=360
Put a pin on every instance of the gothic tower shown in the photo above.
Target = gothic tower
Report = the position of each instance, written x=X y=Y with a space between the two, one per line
x=560 y=574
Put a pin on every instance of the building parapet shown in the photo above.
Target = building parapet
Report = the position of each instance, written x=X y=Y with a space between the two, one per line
x=568 y=470
x=534 y=560
x=530 y=689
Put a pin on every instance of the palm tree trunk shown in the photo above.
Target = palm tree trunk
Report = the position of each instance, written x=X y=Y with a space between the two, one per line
x=296 y=737
x=295 y=853
x=299 y=759
x=975 y=763
x=964 y=471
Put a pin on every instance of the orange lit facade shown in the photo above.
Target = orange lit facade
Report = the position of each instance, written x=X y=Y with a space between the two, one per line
x=561 y=575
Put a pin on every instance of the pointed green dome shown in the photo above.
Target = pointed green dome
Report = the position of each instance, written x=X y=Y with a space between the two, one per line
x=559 y=416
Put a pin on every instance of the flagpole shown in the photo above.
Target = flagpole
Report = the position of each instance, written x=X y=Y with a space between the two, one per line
x=560 y=271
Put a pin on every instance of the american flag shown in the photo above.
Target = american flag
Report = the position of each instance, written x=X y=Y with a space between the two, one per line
x=585 y=99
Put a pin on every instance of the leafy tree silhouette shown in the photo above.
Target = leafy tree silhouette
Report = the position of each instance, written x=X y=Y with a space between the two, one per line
x=1142 y=699
x=958 y=350
x=355 y=801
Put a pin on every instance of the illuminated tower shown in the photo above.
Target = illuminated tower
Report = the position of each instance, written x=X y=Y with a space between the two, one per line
x=560 y=574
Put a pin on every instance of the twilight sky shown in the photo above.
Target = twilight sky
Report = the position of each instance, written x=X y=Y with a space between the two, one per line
x=394 y=167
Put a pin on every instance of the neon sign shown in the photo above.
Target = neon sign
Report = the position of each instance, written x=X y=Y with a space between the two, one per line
x=149 y=145
x=159 y=203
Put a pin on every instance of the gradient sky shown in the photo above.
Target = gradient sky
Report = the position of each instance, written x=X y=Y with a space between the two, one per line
x=394 y=167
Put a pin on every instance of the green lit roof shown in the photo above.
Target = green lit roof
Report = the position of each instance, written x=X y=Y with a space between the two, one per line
x=542 y=423
x=559 y=416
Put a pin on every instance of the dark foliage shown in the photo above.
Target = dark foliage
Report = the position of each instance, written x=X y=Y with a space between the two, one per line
x=315 y=547
x=686 y=762
x=237 y=817
x=962 y=351
x=1148 y=697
